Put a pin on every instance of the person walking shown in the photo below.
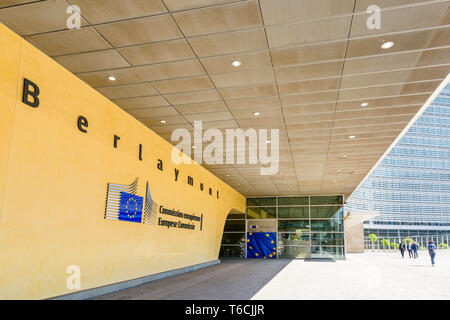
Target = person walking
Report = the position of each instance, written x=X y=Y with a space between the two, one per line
x=410 y=252
x=415 y=248
x=432 y=251
x=402 y=248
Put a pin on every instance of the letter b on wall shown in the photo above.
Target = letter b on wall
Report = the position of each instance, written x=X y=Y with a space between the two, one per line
x=33 y=94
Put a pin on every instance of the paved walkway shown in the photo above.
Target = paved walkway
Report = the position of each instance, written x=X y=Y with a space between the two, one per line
x=362 y=276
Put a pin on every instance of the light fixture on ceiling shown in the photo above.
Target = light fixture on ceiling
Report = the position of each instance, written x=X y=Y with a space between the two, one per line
x=387 y=45
x=163 y=121
x=351 y=137
x=268 y=141
x=339 y=170
x=111 y=78
x=256 y=113
x=236 y=63
x=364 y=104
x=344 y=157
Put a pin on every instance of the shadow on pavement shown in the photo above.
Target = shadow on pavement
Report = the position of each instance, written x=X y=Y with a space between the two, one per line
x=232 y=279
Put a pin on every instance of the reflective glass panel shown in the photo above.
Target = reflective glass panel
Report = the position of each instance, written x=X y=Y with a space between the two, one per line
x=327 y=212
x=290 y=201
x=293 y=225
x=326 y=200
x=230 y=251
x=327 y=252
x=328 y=239
x=235 y=225
x=297 y=239
x=294 y=252
x=335 y=225
x=255 y=202
x=236 y=216
x=293 y=212
x=233 y=238
x=261 y=213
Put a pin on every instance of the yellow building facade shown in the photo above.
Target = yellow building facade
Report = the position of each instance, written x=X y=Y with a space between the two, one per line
x=59 y=156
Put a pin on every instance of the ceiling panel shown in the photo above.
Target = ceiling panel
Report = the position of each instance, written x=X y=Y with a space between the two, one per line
x=69 y=41
x=138 y=31
x=171 y=70
x=157 y=52
x=228 y=17
x=311 y=69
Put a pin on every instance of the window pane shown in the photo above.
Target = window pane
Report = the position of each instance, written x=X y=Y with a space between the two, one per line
x=297 y=239
x=230 y=251
x=235 y=225
x=293 y=225
x=327 y=212
x=326 y=200
x=254 y=202
x=327 y=239
x=293 y=212
x=236 y=216
x=233 y=238
x=327 y=252
x=261 y=213
x=294 y=252
x=335 y=225
x=289 y=201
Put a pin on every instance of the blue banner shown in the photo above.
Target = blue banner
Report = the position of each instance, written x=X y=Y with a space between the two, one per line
x=261 y=245
x=130 y=207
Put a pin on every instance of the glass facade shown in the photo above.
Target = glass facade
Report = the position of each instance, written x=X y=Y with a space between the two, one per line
x=411 y=186
x=306 y=226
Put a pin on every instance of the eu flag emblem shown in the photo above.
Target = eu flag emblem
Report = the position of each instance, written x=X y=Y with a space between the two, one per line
x=130 y=208
x=261 y=245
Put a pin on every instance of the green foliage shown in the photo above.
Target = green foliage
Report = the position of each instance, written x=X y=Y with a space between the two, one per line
x=422 y=248
x=407 y=240
x=373 y=237
x=385 y=243
x=443 y=246
x=395 y=245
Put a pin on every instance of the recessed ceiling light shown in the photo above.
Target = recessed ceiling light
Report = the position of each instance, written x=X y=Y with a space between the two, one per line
x=344 y=157
x=193 y=147
x=236 y=63
x=268 y=141
x=111 y=78
x=364 y=104
x=339 y=170
x=162 y=121
x=352 y=137
x=256 y=113
x=387 y=45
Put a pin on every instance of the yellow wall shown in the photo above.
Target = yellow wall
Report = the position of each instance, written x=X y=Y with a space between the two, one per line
x=53 y=182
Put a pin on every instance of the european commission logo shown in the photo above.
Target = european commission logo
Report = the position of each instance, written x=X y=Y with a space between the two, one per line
x=123 y=203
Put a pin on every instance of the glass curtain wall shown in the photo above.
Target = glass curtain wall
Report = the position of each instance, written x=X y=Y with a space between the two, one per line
x=307 y=226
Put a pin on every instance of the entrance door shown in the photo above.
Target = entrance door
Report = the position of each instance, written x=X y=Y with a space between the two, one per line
x=262 y=239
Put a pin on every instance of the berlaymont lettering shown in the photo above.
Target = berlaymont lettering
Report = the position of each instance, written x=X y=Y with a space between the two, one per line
x=86 y=188
x=126 y=205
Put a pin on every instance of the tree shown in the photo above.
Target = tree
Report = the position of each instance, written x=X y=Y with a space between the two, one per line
x=373 y=238
x=385 y=243
x=407 y=240
x=443 y=246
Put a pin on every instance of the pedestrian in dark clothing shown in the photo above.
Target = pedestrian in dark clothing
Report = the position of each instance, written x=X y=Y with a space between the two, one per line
x=402 y=248
x=415 y=248
x=432 y=251
x=410 y=252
